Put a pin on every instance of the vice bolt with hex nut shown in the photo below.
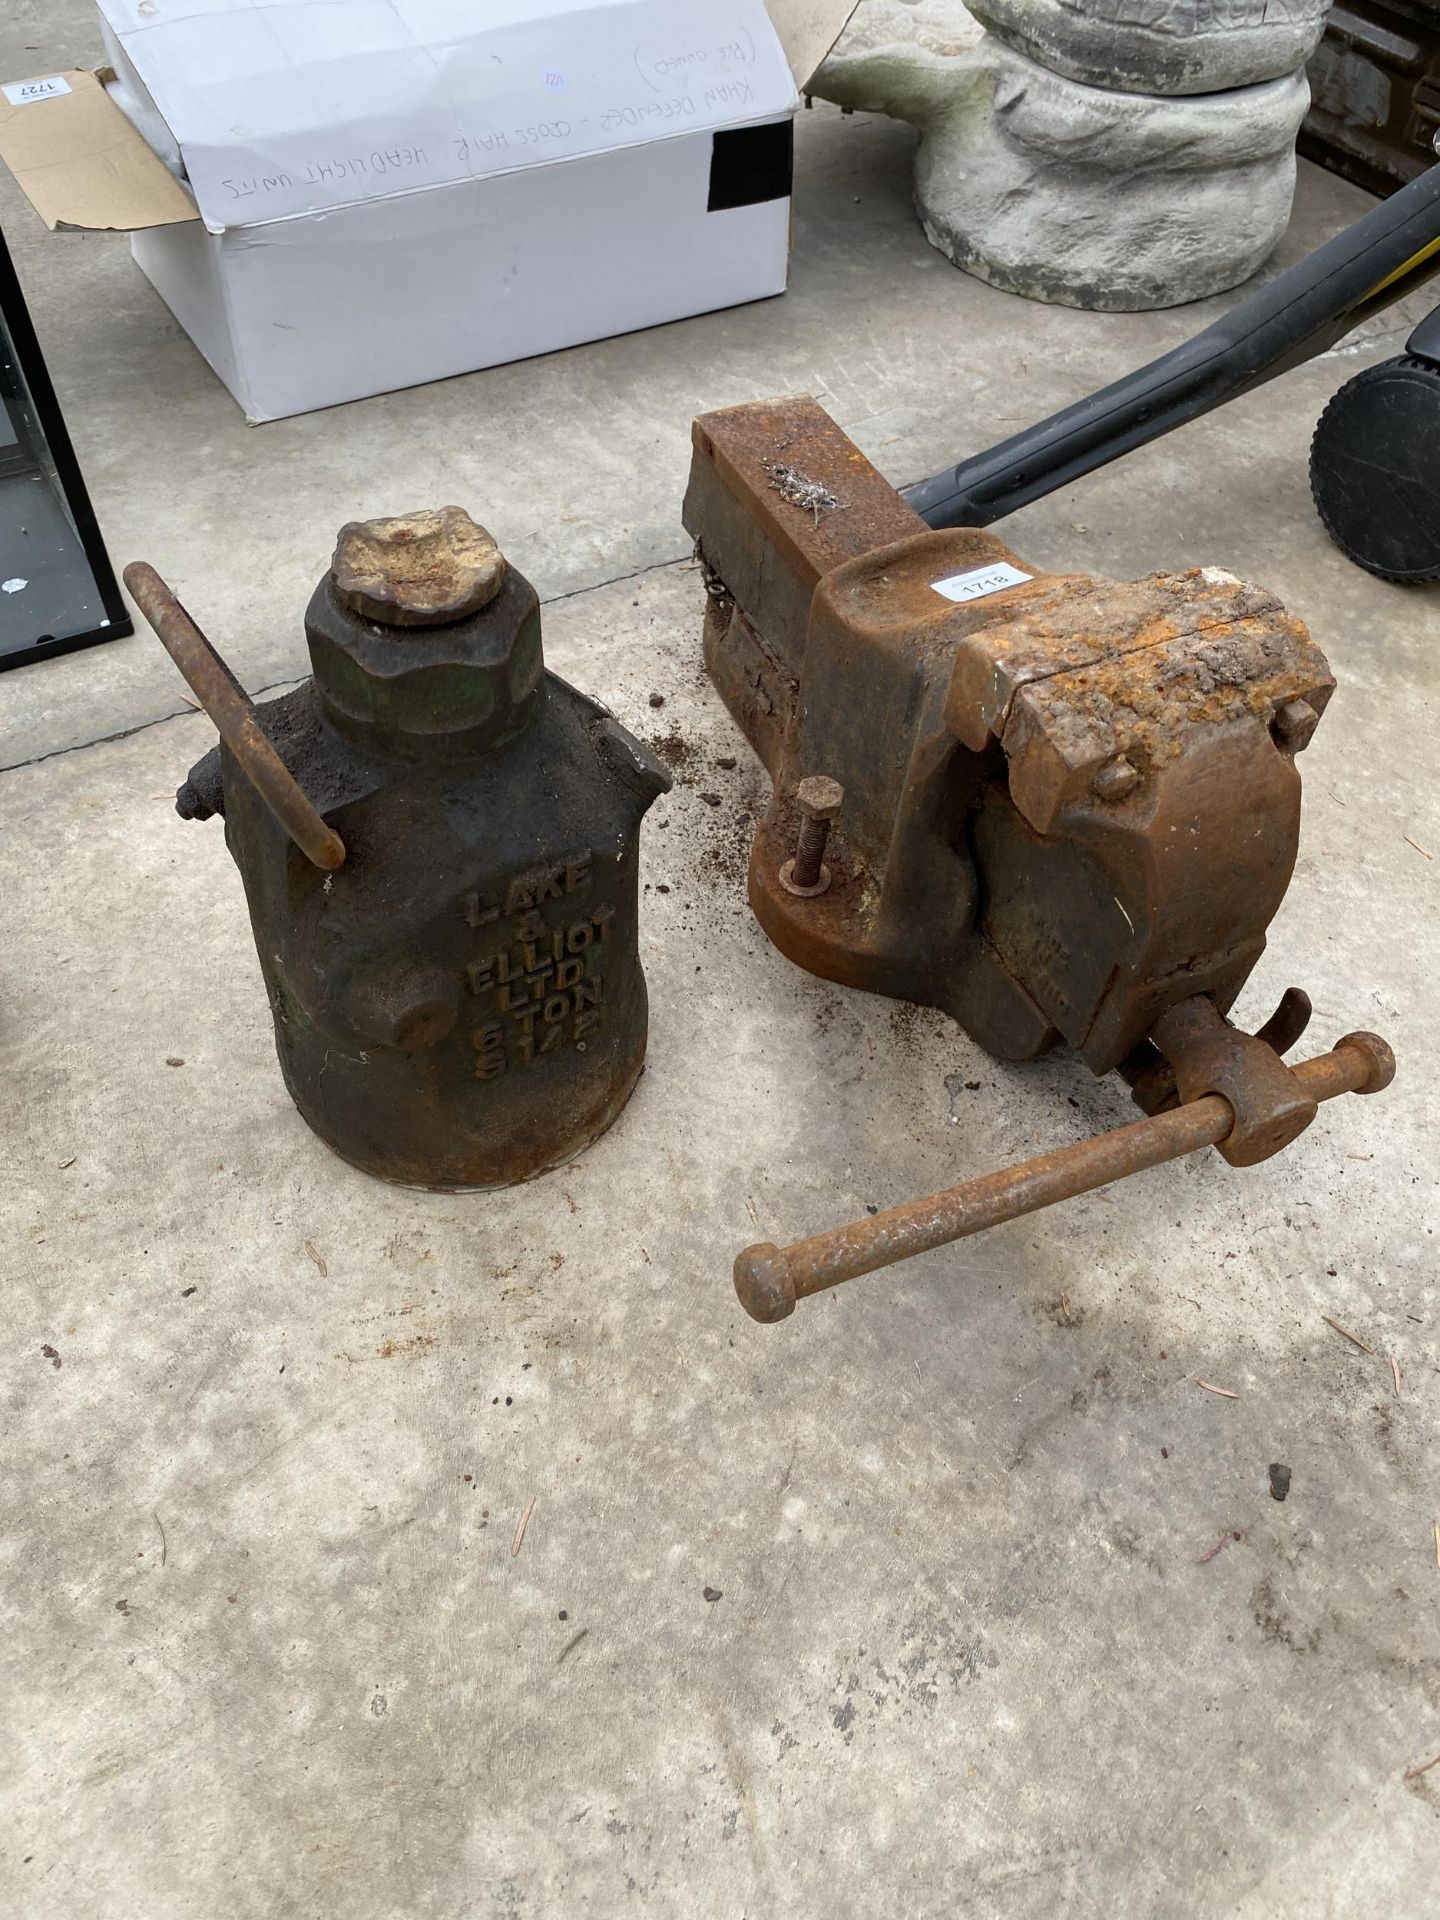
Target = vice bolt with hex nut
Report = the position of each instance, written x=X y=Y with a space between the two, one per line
x=819 y=800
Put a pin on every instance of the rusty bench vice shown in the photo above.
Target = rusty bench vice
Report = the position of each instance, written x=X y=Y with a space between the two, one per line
x=1056 y=807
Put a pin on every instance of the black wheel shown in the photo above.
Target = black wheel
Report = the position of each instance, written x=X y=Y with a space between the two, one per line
x=1375 y=470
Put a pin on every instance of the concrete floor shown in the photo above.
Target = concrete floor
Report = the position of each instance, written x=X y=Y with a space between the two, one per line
x=269 y=1427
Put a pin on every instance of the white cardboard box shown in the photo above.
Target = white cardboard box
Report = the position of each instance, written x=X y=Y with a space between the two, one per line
x=340 y=197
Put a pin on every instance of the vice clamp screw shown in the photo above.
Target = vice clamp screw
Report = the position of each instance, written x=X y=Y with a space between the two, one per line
x=819 y=799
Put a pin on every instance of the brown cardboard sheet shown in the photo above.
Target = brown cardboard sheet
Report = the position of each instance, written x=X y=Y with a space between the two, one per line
x=81 y=164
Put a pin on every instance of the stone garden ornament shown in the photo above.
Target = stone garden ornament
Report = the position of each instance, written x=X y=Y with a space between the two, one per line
x=1088 y=152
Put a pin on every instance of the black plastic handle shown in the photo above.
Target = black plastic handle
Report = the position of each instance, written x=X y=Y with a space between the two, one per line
x=1384 y=255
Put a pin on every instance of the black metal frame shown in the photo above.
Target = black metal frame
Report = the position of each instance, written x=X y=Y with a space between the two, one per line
x=34 y=380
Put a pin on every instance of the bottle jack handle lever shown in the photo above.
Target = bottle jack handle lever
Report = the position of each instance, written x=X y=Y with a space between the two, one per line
x=769 y=1279
x=229 y=706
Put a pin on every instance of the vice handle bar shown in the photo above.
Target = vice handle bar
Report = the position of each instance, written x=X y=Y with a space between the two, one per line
x=770 y=1279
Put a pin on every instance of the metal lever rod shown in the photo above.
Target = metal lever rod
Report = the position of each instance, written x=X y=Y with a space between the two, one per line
x=769 y=1279
x=230 y=707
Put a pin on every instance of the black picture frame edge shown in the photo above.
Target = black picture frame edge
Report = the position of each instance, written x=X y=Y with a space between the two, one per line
x=67 y=468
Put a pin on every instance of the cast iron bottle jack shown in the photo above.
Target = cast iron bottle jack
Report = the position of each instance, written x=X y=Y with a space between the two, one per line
x=438 y=841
